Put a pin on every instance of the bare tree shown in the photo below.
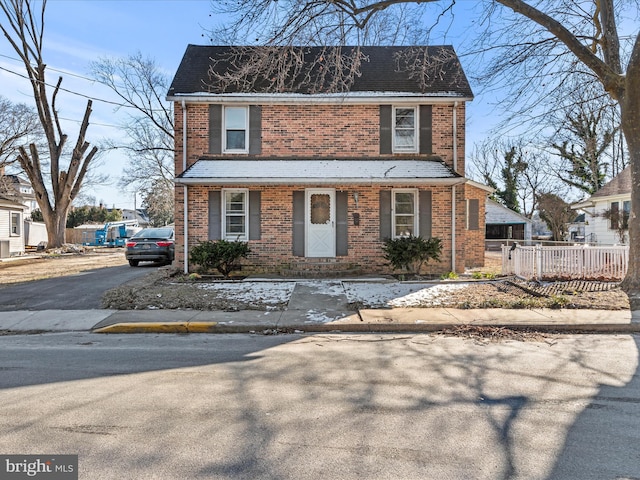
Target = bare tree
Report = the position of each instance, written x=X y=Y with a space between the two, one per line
x=517 y=170
x=556 y=213
x=158 y=202
x=23 y=27
x=548 y=39
x=18 y=125
x=141 y=85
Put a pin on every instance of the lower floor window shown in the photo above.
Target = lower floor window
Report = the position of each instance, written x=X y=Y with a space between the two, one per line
x=15 y=224
x=404 y=213
x=235 y=219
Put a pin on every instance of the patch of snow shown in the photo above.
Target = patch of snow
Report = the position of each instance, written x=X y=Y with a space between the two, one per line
x=265 y=292
x=380 y=295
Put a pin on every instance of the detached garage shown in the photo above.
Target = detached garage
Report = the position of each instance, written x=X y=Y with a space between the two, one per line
x=504 y=225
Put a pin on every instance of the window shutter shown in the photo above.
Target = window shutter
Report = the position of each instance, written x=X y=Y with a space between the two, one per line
x=615 y=215
x=215 y=215
x=473 y=219
x=298 y=224
x=215 y=129
x=255 y=130
x=424 y=218
x=385 y=214
x=254 y=215
x=385 y=130
x=342 y=223
x=426 y=139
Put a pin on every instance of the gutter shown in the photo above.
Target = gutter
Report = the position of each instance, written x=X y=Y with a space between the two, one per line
x=453 y=188
x=368 y=98
x=185 y=205
x=317 y=181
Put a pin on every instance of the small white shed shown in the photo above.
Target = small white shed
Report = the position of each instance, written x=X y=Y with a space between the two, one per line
x=11 y=227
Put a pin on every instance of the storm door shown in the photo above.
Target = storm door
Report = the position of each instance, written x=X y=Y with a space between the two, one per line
x=320 y=219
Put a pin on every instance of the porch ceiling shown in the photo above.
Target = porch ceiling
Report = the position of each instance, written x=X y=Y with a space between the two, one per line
x=323 y=172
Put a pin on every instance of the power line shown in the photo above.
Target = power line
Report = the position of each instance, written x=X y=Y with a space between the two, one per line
x=88 y=97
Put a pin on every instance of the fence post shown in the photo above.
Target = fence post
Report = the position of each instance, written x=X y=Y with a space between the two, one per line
x=538 y=262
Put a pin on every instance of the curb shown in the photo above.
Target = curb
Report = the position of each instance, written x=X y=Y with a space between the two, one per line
x=215 y=327
x=159 y=327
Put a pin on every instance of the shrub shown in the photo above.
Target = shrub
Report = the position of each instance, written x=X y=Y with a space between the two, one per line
x=410 y=253
x=449 y=276
x=221 y=255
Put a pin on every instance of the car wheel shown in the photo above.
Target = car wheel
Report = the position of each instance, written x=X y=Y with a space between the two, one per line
x=134 y=263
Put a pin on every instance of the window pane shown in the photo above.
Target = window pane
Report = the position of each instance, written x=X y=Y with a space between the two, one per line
x=320 y=209
x=235 y=118
x=404 y=213
x=405 y=139
x=235 y=139
x=404 y=203
x=235 y=206
x=235 y=225
x=404 y=226
x=405 y=118
x=235 y=202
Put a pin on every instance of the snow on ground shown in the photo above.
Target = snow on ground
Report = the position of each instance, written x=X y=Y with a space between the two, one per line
x=400 y=295
x=268 y=293
x=372 y=294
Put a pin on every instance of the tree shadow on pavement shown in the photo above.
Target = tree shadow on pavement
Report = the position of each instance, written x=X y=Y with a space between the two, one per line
x=603 y=442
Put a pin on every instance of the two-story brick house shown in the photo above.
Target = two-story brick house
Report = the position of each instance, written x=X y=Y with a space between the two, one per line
x=315 y=178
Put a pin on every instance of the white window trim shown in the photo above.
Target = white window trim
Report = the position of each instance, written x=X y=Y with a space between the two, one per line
x=246 y=131
x=234 y=237
x=416 y=130
x=416 y=216
x=18 y=225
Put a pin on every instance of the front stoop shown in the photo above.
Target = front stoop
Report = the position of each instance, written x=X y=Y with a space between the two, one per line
x=320 y=268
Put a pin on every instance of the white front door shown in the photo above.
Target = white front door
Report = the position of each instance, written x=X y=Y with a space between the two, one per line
x=320 y=222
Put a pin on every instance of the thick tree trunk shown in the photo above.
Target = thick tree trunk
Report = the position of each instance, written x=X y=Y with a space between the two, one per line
x=630 y=109
x=56 y=223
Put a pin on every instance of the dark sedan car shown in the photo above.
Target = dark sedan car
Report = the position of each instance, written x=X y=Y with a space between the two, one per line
x=151 y=245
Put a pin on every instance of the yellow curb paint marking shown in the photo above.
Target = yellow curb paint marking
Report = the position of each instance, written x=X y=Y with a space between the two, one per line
x=168 y=327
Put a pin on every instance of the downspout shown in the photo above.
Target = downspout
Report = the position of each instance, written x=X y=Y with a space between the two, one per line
x=185 y=199
x=453 y=188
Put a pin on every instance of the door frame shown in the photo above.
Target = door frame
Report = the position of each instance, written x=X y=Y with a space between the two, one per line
x=307 y=220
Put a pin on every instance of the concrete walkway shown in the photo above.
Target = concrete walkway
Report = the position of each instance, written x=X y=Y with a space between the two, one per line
x=311 y=309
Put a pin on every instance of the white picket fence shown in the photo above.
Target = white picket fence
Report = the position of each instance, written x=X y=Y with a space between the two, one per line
x=566 y=262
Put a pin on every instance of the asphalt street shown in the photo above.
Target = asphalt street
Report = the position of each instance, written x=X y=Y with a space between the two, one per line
x=325 y=406
x=81 y=291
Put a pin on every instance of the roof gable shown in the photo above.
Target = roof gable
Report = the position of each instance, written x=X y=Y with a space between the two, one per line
x=426 y=70
x=619 y=185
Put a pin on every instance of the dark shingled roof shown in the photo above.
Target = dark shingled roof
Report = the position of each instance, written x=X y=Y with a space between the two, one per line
x=384 y=69
x=619 y=185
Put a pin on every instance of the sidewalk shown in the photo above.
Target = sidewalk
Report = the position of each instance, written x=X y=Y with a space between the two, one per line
x=313 y=309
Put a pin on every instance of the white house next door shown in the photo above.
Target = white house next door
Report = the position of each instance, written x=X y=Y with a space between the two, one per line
x=320 y=218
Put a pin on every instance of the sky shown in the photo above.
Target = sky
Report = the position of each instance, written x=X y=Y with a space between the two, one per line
x=78 y=32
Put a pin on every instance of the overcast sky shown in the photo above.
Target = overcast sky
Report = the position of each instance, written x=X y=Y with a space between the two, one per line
x=80 y=31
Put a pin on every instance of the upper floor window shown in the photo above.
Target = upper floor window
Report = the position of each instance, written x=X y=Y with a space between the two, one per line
x=235 y=210
x=236 y=129
x=405 y=129
x=404 y=213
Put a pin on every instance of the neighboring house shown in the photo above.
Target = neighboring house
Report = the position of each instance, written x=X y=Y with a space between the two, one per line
x=607 y=210
x=139 y=214
x=575 y=229
x=318 y=180
x=24 y=192
x=504 y=225
x=11 y=226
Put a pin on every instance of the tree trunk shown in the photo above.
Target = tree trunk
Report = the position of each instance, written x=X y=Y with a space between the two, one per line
x=56 y=223
x=630 y=110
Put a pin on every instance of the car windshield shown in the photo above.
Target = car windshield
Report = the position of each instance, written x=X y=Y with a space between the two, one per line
x=154 y=233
